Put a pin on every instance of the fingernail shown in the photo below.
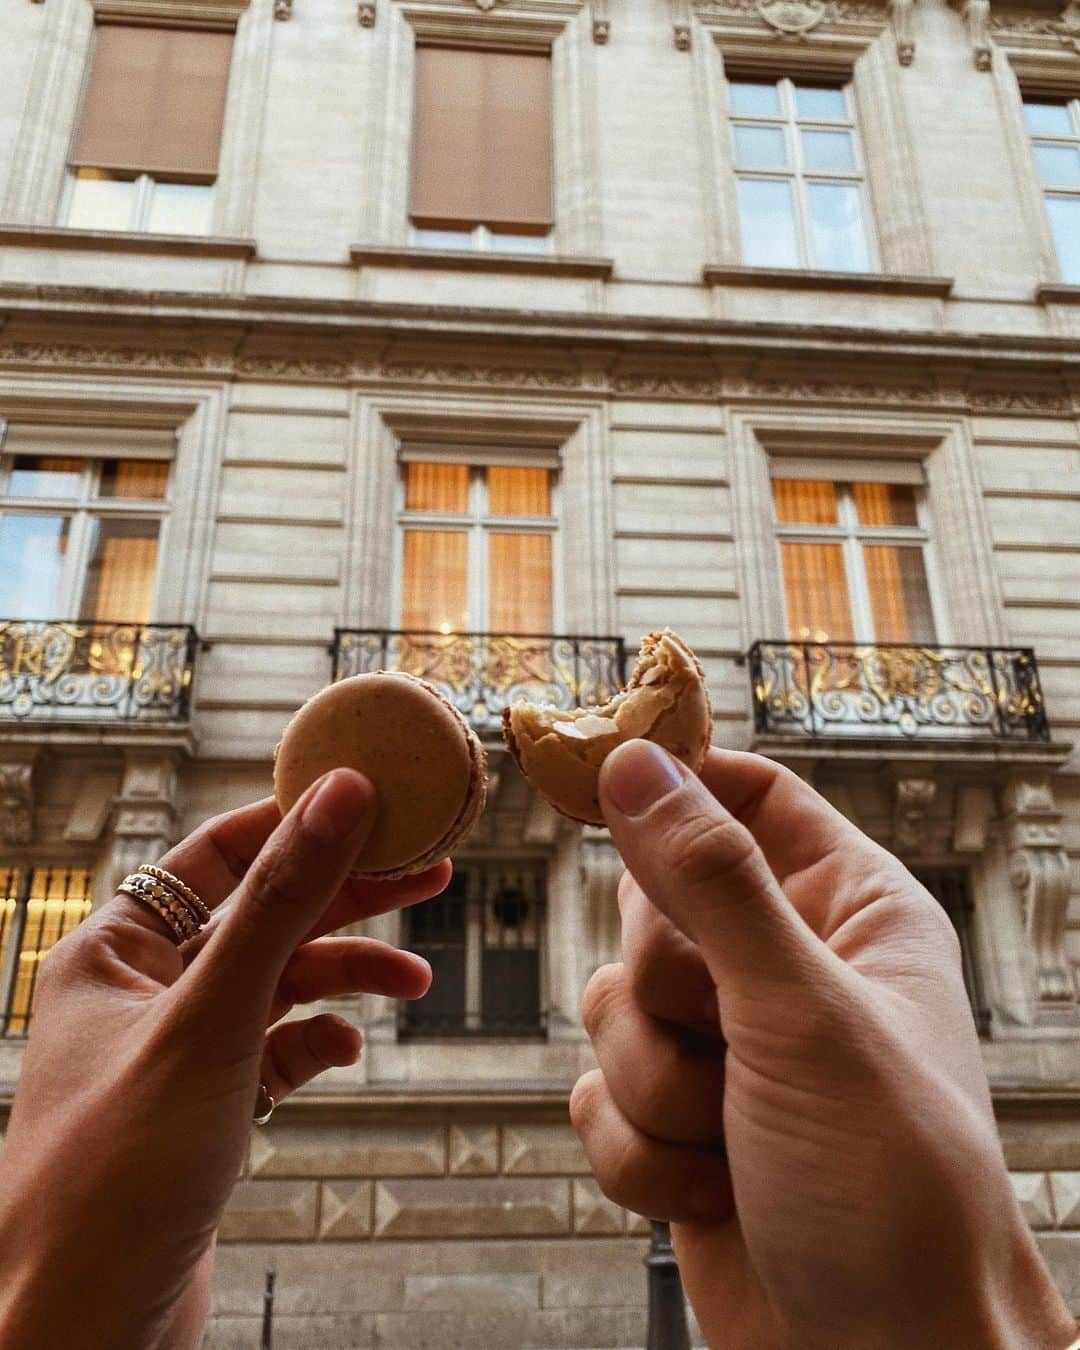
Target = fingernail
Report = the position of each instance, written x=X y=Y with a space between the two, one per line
x=638 y=774
x=339 y=810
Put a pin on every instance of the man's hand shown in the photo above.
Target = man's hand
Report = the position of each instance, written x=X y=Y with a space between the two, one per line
x=789 y=1072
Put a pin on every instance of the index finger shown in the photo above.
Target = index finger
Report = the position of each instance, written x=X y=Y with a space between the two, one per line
x=215 y=857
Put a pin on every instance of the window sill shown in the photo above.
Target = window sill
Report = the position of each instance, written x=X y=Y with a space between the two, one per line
x=806 y=279
x=126 y=241
x=470 y=260
x=1058 y=293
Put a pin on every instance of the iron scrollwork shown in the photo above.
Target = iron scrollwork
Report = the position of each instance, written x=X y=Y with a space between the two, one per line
x=70 y=670
x=483 y=673
x=837 y=689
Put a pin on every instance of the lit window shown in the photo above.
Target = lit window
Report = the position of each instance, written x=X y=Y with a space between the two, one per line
x=79 y=537
x=1055 y=139
x=853 y=560
x=38 y=906
x=481 y=163
x=145 y=155
x=799 y=177
x=484 y=939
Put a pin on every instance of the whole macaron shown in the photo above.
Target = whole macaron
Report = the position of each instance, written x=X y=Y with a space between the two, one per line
x=425 y=761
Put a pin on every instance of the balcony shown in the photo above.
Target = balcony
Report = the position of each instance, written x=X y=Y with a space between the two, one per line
x=483 y=673
x=74 y=671
x=898 y=691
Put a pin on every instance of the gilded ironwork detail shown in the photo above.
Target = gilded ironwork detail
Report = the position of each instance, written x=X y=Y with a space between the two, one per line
x=837 y=689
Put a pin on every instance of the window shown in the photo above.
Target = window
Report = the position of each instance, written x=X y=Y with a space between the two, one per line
x=477 y=548
x=950 y=887
x=484 y=938
x=853 y=560
x=38 y=906
x=1055 y=138
x=799 y=177
x=481 y=161
x=146 y=152
x=79 y=536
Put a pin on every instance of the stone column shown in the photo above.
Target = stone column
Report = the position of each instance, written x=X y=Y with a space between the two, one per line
x=602 y=869
x=145 y=822
x=17 y=794
x=1038 y=870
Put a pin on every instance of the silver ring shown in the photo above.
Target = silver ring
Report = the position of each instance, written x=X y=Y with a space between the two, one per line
x=264 y=1106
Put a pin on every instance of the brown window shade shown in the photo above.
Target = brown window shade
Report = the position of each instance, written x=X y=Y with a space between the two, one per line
x=155 y=101
x=482 y=139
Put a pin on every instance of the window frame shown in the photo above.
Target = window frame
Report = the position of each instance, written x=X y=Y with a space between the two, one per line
x=853 y=536
x=1046 y=191
x=12 y=936
x=792 y=125
x=478 y=524
x=82 y=511
x=142 y=202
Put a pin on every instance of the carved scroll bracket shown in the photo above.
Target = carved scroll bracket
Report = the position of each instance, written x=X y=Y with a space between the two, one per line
x=601 y=21
x=283 y=9
x=1039 y=872
x=976 y=16
x=17 y=796
x=365 y=13
x=915 y=797
x=901 y=12
x=682 y=24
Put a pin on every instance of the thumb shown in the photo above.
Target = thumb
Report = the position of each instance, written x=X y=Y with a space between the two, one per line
x=703 y=868
x=297 y=873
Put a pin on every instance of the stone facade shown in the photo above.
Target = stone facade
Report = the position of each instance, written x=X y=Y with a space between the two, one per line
x=434 y=1195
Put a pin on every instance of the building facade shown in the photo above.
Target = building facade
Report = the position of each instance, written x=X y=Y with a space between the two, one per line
x=478 y=338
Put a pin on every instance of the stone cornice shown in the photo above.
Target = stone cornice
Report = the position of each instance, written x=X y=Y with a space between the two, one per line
x=125 y=241
x=805 y=279
x=472 y=260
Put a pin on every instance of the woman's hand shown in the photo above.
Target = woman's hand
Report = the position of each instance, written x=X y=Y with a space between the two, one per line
x=135 y=1100
x=789 y=1072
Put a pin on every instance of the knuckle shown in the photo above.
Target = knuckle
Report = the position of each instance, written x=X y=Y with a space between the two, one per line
x=702 y=846
x=602 y=990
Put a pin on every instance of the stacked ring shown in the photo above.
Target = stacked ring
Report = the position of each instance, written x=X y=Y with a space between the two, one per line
x=201 y=912
x=181 y=910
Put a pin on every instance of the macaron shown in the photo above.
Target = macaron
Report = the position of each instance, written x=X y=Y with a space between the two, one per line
x=427 y=764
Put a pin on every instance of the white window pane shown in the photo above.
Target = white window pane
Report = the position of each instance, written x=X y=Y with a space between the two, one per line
x=767 y=221
x=32 y=550
x=443 y=238
x=1059 y=165
x=1064 y=213
x=754 y=100
x=760 y=148
x=828 y=151
x=820 y=105
x=1049 y=119
x=45 y=476
x=180 y=208
x=101 y=203
x=836 y=225
x=520 y=243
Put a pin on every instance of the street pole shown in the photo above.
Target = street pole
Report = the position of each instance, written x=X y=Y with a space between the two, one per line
x=268 y=1312
x=667 y=1328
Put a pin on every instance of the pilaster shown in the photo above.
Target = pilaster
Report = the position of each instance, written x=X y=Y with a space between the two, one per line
x=17 y=794
x=145 y=822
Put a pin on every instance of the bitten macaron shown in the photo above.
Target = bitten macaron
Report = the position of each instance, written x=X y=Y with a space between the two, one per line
x=427 y=765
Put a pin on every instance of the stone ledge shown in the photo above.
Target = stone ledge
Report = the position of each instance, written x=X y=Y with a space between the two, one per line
x=1058 y=293
x=125 y=241
x=808 y=279
x=939 y=751
x=473 y=260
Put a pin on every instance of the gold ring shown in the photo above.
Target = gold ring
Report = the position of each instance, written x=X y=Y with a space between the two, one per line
x=264 y=1106
x=179 y=917
x=202 y=912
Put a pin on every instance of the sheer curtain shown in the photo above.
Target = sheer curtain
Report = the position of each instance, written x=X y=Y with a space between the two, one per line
x=120 y=578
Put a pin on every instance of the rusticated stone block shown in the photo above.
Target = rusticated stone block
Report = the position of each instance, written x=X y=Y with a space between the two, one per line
x=348 y=1151
x=1032 y=1192
x=637 y=1226
x=474 y=1150
x=1065 y=1188
x=605 y=1272
x=593 y=1211
x=272 y=1211
x=471 y=1207
x=542 y=1150
x=345 y=1211
x=447 y=1293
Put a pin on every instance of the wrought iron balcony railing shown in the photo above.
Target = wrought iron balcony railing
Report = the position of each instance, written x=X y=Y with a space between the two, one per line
x=76 y=671
x=482 y=673
x=896 y=689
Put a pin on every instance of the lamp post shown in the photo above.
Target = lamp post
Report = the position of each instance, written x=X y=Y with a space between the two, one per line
x=268 y=1312
x=667 y=1328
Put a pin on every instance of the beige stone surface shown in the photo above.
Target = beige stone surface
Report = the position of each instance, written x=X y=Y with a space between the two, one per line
x=1032 y=1191
x=593 y=1211
x=345 y=1209
x=1065 y=1188
x=348 y=1151
x=472 y=1207
x=270 y=1209
x=474 y=1150
x=542 y=1150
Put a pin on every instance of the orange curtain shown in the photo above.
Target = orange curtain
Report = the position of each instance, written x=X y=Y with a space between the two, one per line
x=899 y=597
x=884 y=504
x=120 y=579
x=59 y=901
x=815 y=588
x=519 y=583
x=140 y=478
x=518 y=492
x=435 y=580
x=808 y=502
x=439 y=488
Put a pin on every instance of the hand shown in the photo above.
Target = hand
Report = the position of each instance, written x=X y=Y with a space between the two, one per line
x=790 y=1073
x=135 y=1101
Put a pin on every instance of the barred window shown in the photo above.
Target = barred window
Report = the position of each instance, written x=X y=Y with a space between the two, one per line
x=484 y=938
x=38 y=906
x=951 y=888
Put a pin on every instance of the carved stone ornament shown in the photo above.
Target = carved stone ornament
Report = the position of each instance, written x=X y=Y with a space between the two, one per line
x=1067 y=27
x=914 y=802
x=601 y=21
x=16 y=803
x=977 y=17
x=794 y=17
x=901 y=11
x=283 y=9
x=682 y=25
x=365 y=12
x=1039 y=871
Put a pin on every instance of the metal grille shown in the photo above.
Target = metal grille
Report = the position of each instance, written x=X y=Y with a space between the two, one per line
x=38 y=907
x=484 y=938
x=950 y=887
